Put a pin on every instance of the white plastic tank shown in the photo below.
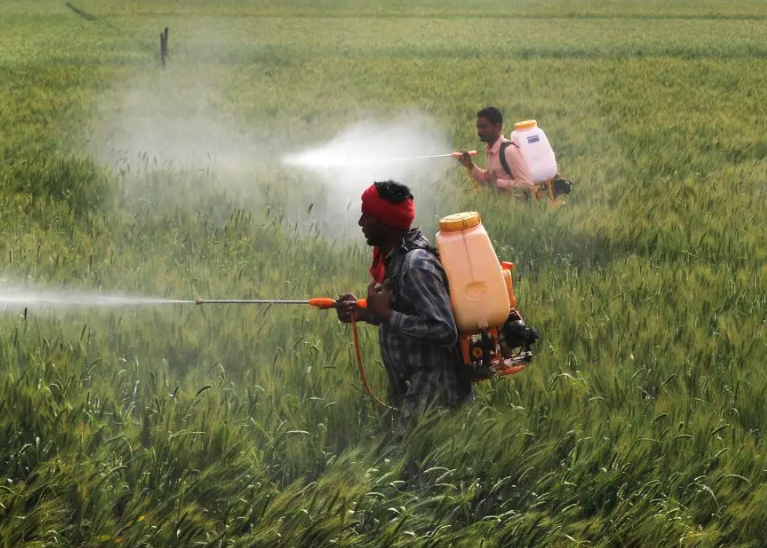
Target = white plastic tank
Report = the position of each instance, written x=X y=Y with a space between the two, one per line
x=536 y=149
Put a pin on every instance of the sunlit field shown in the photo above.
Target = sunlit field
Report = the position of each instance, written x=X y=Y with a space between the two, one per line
x=641 y=420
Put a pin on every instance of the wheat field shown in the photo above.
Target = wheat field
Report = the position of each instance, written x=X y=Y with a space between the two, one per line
x=641 y=420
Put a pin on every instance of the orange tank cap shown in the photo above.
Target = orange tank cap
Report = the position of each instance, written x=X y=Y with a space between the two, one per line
x=459 y=221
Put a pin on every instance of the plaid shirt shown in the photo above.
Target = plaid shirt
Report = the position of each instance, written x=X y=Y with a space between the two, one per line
x=419 y=343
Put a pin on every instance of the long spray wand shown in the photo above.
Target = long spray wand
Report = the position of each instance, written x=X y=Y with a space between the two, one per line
x=317 y=302
x=455 y=154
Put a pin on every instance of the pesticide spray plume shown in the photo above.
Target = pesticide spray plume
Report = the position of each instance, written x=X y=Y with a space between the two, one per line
x=373 y=149
x=317 y=159
x=410 y=148
x=183 y=150
x=19 y=300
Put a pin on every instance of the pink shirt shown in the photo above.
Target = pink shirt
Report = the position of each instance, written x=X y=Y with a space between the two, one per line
x=495 y=172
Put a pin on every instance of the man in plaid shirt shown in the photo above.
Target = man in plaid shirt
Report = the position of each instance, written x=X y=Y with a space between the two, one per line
x=409 y=301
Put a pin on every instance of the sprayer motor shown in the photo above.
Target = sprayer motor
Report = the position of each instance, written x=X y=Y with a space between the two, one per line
x=562 y=186
x=502 y=351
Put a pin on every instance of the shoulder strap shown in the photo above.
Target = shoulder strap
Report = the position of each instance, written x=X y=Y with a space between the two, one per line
x=502 y=157
x=411 y=246
x=394 y=276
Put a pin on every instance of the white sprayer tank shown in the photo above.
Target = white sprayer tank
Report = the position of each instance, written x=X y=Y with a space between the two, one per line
x=536 y=149
x=478 y=291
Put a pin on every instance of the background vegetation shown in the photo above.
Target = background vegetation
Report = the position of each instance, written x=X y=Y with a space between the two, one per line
x=641 y=422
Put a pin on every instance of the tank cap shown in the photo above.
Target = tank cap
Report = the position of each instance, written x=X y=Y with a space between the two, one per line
x=459 y=221
x=506 y=265
x=527 y=124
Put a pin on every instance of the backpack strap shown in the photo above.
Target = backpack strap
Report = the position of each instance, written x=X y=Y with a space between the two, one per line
x=394 y=276
x=505 y=164
x=411 y=246
x=502 y=157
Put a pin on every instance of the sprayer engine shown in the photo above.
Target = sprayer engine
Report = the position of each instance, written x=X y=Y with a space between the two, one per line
x=561 y=186
x=498 y=352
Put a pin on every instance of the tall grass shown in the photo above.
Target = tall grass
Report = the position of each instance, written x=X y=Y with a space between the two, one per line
x=640 y=422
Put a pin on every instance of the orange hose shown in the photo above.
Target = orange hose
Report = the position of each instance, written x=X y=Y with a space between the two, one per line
x=325 y=303
x=358 y=359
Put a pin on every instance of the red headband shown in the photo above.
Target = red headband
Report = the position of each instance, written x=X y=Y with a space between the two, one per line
x=397 y=216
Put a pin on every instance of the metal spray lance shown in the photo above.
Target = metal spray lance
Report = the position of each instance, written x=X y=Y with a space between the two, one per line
x=317 y=302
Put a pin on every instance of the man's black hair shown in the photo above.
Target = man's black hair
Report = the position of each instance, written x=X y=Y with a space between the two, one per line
x=492 y=114
x=393 y=192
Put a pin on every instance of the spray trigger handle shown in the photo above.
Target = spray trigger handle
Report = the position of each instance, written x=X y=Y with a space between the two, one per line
x=324 y=303
x=458 y=154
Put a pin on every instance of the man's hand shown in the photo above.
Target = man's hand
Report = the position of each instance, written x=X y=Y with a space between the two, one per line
x=379 y=300
x=346 y=304
x=467 y=161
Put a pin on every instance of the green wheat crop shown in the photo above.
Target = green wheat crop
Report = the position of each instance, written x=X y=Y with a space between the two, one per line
x=640 y=422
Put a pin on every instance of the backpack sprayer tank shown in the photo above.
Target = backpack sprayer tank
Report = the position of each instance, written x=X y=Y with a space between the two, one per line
x=477 y=288
x=536 y=149
x=482 y=298
x=541 y=161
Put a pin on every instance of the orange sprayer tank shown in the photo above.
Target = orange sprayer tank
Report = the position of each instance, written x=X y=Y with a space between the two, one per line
x=478 y=291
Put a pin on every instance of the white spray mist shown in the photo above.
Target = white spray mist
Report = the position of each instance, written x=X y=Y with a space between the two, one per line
x=374 y=150
x=14 y=300
x=170 y=143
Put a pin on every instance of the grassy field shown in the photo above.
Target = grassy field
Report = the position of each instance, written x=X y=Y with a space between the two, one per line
x=642 y=420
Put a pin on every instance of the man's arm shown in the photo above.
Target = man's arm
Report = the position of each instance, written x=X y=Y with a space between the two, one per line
x=521 y=177
x=480 y=176
x=433 y=320
x=477 y=174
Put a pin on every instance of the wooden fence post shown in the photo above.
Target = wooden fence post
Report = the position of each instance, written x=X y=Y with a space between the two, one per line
x=164 y=47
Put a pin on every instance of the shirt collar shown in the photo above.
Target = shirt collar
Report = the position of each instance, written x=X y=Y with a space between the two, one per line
x=412 y=233
x=496 y=146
